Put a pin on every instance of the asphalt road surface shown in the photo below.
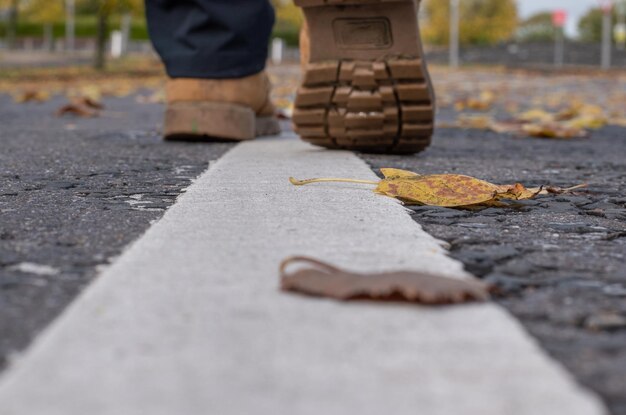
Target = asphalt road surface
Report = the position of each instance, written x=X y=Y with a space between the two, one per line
x=75 y=192
x=559 y=260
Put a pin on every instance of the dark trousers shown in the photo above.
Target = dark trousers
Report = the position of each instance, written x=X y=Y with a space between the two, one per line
x=211 y=38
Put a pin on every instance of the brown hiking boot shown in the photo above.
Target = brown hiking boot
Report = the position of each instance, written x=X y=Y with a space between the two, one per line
x=365 y=86
x=227 y=109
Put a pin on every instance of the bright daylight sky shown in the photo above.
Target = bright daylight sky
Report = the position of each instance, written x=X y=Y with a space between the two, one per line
x=575 y=8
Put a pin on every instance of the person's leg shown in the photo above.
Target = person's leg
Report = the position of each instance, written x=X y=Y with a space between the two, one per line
x=214 y=52
x=365 y=85
x=211 y=38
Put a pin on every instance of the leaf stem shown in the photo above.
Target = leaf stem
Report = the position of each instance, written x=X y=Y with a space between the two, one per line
x=580 y=186
x=297 y=182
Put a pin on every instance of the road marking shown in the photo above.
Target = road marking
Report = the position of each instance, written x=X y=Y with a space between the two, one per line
x=190 y=321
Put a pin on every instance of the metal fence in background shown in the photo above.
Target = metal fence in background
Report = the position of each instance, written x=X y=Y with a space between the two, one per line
x=530 y=54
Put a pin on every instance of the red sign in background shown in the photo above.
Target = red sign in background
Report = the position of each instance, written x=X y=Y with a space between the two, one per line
x=559 y=18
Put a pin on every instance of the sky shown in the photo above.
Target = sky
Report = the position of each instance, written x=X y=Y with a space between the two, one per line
x=575 y=9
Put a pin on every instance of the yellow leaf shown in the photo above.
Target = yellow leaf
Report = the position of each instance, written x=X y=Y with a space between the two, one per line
x=483 y=102
x=507 y=127
x=518 y=192
x=480 y=122
x=92 y=92
x=588 y=121
x=397 y=174
x=536 y=115
x=446 y=190
x=553 y=130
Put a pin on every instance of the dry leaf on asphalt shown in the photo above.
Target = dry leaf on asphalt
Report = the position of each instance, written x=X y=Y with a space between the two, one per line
x=485 y=101
x=92 y=92
x=77 y=110
x=554 y=130
x=88 y=102
x=572 y=121
x=539 y=129
x=508 y=127
x=324 y=280
x=31 y=96
x=445 y=190
x=536 y=115
x=479 y=122
x=397 y=173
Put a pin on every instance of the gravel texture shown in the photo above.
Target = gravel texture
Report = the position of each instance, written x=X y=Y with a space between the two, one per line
x=73 y=193
x=558 y=260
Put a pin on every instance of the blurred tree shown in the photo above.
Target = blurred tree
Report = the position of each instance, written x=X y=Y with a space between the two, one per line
x=13 y=7
x=289 y=19
x=287 y=13
x=537 y=28
x=46 y=12
x=43 y=11
x=590 y=25
x=104 y=10
x=482 y=21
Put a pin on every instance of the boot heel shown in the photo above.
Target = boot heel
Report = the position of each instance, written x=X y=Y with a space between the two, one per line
x=185 y=120
x=366 y=87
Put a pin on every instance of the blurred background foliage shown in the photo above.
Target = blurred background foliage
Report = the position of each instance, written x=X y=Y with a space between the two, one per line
x=35 y=15
x=483 y=22
x=537 y=28
x=289 y=19
x=590 y=25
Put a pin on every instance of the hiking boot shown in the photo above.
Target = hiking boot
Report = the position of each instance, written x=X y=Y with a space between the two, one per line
x=365 y=86
x=220 y=109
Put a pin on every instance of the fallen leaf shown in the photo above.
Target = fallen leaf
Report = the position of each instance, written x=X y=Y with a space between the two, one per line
x=554 y=130
x=87 y=102
x=444 y=190
x=31 y=96
x=480 y=122
x=324 y=280
x=508 y=127
x=483 y=102
x=588 y=121
x=92 y=92
x=396 y=173
x=536 y=115
x=77 y=110
x=518 y=192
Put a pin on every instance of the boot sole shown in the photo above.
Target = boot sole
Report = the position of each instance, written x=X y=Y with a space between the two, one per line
x=213 y=121
x=367 y=87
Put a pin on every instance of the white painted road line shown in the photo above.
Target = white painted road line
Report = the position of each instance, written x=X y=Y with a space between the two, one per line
x=190 y=321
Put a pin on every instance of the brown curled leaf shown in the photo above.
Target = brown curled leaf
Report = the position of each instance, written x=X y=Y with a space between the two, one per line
x=324 y=280
x=85 y=101
x=77 y=110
